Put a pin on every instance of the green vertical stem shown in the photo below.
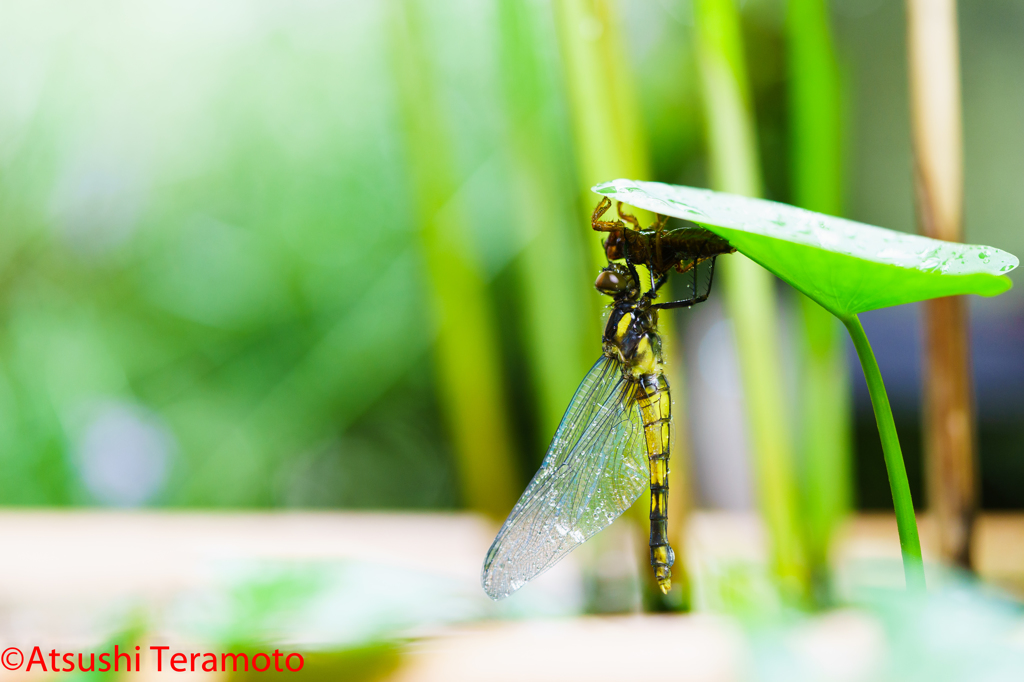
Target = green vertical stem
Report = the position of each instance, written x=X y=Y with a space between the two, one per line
x=554 y=287
x=815 y=107
x=610 y=144
x=824 y=436
x=749 y=292
x=466 y=350
x=824 y=424
x=906 y=522
x=603 y=103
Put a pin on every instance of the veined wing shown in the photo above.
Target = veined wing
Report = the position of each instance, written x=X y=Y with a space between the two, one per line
x=595 y=469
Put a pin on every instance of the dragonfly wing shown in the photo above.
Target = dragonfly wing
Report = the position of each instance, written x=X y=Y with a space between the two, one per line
x=595 y=469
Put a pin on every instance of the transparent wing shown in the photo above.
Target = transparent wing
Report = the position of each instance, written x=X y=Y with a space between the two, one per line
x=595 y=469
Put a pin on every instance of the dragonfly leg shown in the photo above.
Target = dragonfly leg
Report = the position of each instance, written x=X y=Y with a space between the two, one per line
x=628 y=217
x=604 y=225
x=631 y=219
x=696 y=282
x=688 y=302
x=655 y=286
x=656 y=414
x=629 y=262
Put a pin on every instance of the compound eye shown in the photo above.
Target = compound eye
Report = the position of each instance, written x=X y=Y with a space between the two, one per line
x=610 y=283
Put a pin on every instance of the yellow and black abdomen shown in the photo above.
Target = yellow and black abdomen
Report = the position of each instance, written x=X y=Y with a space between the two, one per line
x=631 y=336
x=655 y=404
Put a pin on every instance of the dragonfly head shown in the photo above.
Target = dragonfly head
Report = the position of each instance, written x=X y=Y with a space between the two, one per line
x=618 y=282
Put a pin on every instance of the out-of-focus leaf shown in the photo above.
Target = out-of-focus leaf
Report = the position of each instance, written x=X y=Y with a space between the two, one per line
x=847 y=267
x=374 y=661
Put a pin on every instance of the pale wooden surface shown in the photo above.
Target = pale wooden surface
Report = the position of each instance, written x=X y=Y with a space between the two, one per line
x=841 y=646
x=665 y=648
x=63 y=570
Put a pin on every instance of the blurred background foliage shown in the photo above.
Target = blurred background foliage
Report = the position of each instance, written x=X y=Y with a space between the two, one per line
x=265 y=254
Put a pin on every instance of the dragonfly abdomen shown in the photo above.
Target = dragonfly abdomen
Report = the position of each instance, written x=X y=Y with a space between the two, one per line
x=656 y=415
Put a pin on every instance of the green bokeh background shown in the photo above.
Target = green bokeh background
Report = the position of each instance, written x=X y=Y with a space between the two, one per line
x=207 y=230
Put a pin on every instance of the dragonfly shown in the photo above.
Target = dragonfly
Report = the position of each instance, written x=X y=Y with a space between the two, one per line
x=615 y=437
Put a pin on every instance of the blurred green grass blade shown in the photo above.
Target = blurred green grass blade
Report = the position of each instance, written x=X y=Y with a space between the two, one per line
x=467 y=354
x=603 y=101
x=845 y=266
x=815 y=104
x=291 y=413
x=749 y=292
x=824 y=436
x=559 y=333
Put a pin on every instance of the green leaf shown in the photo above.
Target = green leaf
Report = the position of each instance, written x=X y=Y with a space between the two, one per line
x=845 y=266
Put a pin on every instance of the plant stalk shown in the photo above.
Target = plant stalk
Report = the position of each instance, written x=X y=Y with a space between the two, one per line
x=603 y=103
x=949 y=428
x=749 y=291
x=906 y=521
x=466 y=350
x=554 y=286
x=815 y=99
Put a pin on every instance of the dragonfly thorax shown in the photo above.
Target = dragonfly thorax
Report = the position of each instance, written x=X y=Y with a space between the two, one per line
x=631 y=337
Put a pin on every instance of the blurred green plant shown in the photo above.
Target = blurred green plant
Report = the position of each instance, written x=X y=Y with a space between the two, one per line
x=467 y=360
x=193 y=244
x=847 y=268
x=559 y=331
x=603 y=102
x=825 y=436
x=749 y=290
x=218 y=238
x=375 y=661
x=129 y=634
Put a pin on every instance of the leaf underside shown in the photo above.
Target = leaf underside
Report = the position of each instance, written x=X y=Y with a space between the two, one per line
x=846 y=266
